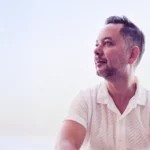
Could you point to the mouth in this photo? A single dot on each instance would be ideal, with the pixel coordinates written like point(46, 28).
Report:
point(99, 63)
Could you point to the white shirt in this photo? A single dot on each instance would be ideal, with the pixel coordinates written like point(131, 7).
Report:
point(106, 127)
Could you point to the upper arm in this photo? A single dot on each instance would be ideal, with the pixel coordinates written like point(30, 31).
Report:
point(76, 122)
point(78, 110)
point(72, 132)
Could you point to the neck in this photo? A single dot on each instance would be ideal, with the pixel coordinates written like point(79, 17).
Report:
point(121, 86)
point(122, 91)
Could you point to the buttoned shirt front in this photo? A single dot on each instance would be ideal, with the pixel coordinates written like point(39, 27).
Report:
point(106, 127)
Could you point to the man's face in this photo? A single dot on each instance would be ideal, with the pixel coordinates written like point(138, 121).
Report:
point(111, 53)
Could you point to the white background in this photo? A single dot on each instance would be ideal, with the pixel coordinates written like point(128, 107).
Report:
point(46, 58)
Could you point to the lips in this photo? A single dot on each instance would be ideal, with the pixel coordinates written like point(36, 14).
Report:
point(100, 61)
point(97, 61)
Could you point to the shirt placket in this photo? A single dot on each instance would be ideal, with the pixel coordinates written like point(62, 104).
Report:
point(120, 135)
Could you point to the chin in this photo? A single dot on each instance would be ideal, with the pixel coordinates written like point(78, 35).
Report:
point(106, 74)
point(100, 73)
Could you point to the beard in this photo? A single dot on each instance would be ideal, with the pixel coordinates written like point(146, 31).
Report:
point(107, 72)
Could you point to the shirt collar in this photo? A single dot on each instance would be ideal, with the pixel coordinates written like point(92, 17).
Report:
point(103, 96)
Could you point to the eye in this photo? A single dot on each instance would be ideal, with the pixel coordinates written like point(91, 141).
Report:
point(108, 43)
point(96, 45)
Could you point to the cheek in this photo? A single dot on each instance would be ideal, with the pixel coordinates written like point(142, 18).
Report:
point(116, 59)
point(111, 57)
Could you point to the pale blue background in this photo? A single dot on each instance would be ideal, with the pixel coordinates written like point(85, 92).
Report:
point(46, 57)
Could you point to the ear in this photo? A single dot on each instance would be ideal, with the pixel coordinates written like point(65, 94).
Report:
point(134, 55)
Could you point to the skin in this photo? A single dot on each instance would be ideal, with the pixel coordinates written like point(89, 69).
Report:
point(71, 136)
point(115, 62)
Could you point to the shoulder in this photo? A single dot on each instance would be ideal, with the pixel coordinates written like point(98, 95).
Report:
point(90, 94)
point(91, 91)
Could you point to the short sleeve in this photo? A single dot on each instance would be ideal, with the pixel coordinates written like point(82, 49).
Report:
point(78, 110)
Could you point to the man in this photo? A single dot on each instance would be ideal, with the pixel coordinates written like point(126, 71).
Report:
point(116, 113)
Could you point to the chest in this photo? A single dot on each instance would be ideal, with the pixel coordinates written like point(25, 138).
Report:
point(109, 130)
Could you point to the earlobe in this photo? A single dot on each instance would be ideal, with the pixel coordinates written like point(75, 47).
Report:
point(134, 55)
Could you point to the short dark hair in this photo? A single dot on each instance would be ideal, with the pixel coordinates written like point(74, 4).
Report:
point(129, 30)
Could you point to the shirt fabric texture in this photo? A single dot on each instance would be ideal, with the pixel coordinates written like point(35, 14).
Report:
point(106, 127)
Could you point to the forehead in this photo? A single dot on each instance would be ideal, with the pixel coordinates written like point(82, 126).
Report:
point(110, 30)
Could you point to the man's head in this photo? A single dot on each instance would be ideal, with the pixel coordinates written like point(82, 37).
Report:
point(119, 46)
point(130, 32)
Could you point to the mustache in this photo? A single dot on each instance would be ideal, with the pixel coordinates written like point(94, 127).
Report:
point(98, 59)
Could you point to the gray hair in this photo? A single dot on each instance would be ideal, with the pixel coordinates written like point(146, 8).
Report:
point(129, 31)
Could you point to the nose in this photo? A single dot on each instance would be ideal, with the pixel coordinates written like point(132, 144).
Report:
point(98, 50)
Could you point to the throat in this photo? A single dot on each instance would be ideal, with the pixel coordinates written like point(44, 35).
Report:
point(122, 106)
point(121, 97)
